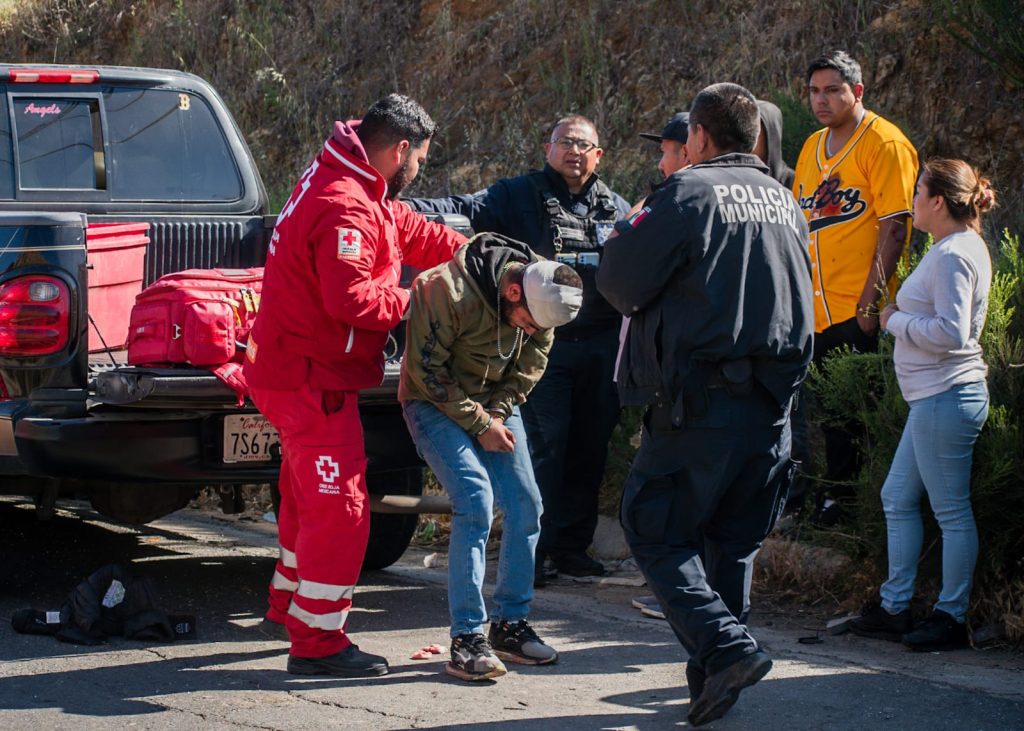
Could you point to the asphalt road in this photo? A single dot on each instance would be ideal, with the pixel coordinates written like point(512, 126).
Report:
point(617, 669)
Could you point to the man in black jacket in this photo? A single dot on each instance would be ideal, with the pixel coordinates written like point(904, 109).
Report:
point(564, 213)
point(715, 275)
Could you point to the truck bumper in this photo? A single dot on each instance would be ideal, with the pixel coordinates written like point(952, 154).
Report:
point(173, 448)
point(133, 447)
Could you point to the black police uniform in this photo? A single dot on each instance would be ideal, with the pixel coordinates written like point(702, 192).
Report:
point(715, 275)
point(572, 411)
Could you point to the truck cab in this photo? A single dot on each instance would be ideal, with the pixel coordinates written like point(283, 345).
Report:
point(82, 147)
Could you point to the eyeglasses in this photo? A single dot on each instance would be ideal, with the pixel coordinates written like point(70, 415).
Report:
point(567, 143)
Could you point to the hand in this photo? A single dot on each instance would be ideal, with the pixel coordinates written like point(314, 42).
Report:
point(498, 438)
point(883, 319)
point(868, 324)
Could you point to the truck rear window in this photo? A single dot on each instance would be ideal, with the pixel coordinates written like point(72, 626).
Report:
point(167, 145)
point(128, 143)
point(57, 141)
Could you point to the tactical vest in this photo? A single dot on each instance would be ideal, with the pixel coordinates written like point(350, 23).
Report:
point(578, 241)
point(569, 234)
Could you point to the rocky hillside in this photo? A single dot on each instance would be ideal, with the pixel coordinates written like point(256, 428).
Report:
point(495, 74)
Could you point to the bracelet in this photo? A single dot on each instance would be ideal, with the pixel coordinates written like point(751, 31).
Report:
point(485, 427)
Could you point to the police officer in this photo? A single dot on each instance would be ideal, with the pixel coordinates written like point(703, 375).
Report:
point(564, 213)
point(716, 278)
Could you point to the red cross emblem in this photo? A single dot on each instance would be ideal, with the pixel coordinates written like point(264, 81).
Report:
point(350, 243)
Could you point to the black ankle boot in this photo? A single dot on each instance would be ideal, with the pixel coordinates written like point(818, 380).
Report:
point(939, 632)
point(875, 622)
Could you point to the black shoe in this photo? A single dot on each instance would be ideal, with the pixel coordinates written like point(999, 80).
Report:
point(875, 622)
point(473, 658)
point(273, 630)
point(518, 642)
point(350, 663)
point(695, 679)
point(939, 632)
point(578, 563)
point(722, 689)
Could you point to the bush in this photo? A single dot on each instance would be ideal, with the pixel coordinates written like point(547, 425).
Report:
point(863, 387)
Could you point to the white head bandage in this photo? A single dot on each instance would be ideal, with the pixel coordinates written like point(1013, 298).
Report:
point(550, 304)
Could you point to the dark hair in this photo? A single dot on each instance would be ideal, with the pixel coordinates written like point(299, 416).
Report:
point(574, 119)
point(966, 193)
point(567, 275)
point(729, 114)
point(564, 274)
point(839, 61)
point(393, 119)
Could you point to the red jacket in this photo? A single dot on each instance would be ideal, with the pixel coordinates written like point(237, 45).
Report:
point(330, 288)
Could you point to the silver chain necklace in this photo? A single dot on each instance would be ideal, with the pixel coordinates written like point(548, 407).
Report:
point(519, 331)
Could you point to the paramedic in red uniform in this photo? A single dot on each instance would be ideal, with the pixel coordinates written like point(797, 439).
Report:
point(330, 295)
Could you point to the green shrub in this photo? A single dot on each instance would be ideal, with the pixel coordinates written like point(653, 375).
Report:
point(863, 387)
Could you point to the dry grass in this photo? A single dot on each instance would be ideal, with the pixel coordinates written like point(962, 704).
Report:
point(791, 571)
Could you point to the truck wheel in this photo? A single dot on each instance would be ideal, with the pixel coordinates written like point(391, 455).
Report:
point(390, 533)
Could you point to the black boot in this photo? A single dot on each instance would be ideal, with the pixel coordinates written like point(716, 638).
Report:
point(875, 622)
point(577, 563)
point(350, 663)
point(722, 689)
point(939, 632)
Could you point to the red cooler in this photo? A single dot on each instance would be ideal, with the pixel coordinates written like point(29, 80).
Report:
point(116, 255)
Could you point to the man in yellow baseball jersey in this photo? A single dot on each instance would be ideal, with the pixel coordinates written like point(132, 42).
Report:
point(855, 184)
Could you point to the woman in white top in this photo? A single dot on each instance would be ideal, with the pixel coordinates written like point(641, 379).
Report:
point(937, 322)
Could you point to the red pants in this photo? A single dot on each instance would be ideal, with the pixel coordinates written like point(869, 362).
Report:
point(324, 521)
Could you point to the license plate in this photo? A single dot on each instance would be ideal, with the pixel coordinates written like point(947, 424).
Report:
point(250, 438)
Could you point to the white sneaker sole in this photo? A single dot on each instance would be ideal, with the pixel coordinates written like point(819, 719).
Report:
point(458, 672)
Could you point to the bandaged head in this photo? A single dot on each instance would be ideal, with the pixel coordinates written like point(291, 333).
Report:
point(550, 304)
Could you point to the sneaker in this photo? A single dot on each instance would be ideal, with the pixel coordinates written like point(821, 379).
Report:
point(939, 632)
point(875, 622)
point(578, 563)
point(517, 642)
point(473, 658)
point(639, 602)
point(722, 689)
point(653, 611)
point(273, 630)
point(349, 663)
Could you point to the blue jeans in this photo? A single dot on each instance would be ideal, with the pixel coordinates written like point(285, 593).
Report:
point(934, 456)
point(474, 478)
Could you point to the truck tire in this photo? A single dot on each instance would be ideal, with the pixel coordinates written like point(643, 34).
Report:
point(390, 533)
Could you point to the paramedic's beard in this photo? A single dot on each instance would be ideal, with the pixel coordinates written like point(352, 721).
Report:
point(399, 181)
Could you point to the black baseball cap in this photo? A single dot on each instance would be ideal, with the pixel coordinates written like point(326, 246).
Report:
point(677, 129)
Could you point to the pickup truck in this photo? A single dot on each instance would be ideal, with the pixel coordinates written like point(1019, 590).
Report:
point(154, 151)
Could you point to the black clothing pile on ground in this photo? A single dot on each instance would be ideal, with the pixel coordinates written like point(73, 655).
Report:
point(110, 603)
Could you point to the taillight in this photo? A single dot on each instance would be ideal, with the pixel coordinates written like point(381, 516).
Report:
point(53, 76)
point(34, 316)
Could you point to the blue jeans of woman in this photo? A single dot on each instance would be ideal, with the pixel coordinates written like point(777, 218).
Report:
point(934, 457)
point(475, 479)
